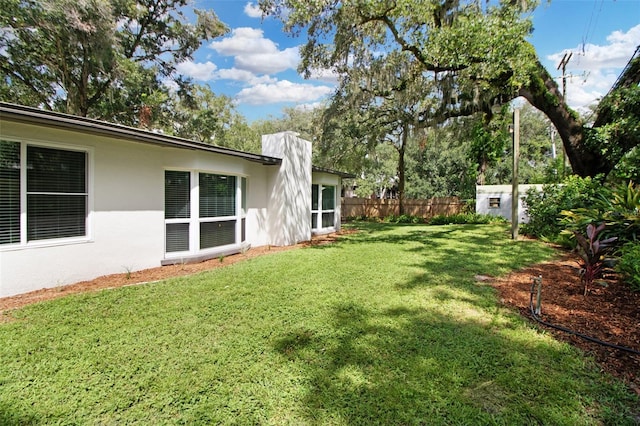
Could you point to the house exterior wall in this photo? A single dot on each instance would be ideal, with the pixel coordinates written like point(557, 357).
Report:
point(126, 225)
point(289, 207)
point(485, 194)
point(327, 179)
point(125, 190)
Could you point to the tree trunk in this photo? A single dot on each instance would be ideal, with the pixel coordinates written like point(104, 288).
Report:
point(401, 167)
point(543, 93)
point(482, 168)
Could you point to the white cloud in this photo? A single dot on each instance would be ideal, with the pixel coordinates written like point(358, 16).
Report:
point(269, 62)
point(244, 76)
point(252, 10)
point(282, 91)
point(593, 69)
point(615, 54)
point(244, 40)
point(328, 76)
point(586, 88)
point(171, 85)
point(208, 71)
point(253, 52)
point(198, 70)
point(310, 106)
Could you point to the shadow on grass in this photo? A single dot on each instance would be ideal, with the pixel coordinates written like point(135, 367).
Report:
point(456, 251)
point(418, 366)
point(406, 366)
point(10, 416)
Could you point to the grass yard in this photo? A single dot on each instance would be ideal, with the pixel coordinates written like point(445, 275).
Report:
point(387, 326)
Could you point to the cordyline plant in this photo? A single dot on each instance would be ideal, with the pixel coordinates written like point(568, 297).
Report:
point(592, 251)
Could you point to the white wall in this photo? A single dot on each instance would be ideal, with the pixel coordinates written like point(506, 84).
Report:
point(126, 219)
point(503, 192)
point(289, 204)
point(327, 179)
point(126, 205)
point(126, 225)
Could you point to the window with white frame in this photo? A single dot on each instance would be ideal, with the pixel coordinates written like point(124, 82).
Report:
point(203, 211)
point(43, 193)
point(323, 206)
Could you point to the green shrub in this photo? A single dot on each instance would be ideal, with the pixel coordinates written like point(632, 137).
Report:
point(544, 208)
point(466, 218)
point(629, 265)
point(404, 218)
point(618, 208)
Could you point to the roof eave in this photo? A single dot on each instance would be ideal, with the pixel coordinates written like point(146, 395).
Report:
point(31, 115)
point(333, 172)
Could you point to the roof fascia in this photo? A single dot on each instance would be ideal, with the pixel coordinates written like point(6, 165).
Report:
point(35, 116)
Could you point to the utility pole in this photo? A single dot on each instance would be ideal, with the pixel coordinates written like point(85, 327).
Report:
point(515, 197)
point(563, 65)
point(552, 131)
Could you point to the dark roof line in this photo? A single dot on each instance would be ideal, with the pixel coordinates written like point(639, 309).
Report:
point(32, 115)
point(333, 172)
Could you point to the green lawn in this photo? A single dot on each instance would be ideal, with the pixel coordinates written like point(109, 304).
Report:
point(386, 326)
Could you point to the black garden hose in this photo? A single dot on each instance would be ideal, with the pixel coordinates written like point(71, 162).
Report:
point(575, 333)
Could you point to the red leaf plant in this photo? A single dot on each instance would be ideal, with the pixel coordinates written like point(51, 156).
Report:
point(592, 250)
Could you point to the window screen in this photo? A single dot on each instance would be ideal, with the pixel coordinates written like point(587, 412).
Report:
point(217, 195)
point(314, 197)
point(9, 192)
point(327, 220)
point(328, 197)
point(56, 193)
point(177, 237)
point(243, 196)
point(177, 200)
point(214, 234)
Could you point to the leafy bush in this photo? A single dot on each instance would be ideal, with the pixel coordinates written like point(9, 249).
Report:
point(404, 218)
point(466, 218)
point(625, 212)
point(629, 265)
point(618, 208)
point(544, 208)
point(591, 249)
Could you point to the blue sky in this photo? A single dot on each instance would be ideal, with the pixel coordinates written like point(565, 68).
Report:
point(255, 63)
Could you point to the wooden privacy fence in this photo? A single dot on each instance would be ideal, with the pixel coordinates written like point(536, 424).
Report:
point(366, 207)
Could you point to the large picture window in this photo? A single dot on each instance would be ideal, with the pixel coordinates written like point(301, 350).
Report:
point(203, 211)
point(55, 193)
point(323, 206)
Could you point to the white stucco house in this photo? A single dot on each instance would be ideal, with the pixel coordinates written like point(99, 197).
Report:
point(496, 200)
point(81, 198)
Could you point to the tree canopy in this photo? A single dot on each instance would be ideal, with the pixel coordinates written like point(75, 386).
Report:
point(475, 53)
point(100, 58)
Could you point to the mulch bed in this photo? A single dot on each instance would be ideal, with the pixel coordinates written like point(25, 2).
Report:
point(149, 275)
point(610, 313)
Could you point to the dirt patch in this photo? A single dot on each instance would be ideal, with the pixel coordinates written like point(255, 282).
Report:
point(609, 312)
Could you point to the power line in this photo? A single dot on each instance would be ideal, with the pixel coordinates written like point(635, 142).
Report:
point(590, 27)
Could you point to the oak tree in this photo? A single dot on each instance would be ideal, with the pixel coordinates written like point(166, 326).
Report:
point(475, 52)
point(100, 58)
